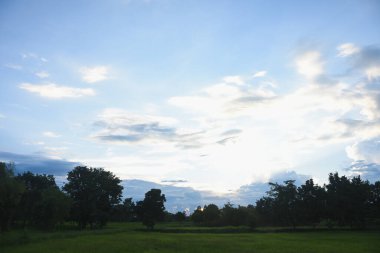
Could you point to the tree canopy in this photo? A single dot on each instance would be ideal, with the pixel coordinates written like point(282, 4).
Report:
point(153, 208)
point(94, 192)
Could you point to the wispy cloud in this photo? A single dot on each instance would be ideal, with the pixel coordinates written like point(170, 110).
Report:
point(234, 80)
point(42, 74)
point(33, 56)
point(123, 126)
point(367, 171)
point(94, 74)
point(309, 64)
point(260, 74)
point(50, 134)
point(367, 150)
point(347, 49)
point(373, 72)
point(13, 66)
point(54, 91)
point(224, 100)
point(38, 164)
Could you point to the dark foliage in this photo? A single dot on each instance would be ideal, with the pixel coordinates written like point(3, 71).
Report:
point(42, 203)
point(10, 195)
point(94, 192)
point(152, 208)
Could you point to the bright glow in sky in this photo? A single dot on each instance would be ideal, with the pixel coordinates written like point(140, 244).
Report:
point(216, 94)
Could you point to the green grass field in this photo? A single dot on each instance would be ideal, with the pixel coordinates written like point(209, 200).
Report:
point(125, 238)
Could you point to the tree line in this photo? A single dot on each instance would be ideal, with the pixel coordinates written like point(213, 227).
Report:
point(93, 196)
point(341, 202)
point(90, 197)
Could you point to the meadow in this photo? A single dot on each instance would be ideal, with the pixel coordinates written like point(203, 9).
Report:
point(132, 237)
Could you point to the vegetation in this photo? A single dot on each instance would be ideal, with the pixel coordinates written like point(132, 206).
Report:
point(94, 192)
point(130, 237)
point(152, 208)
point(42, 204)
point(10, 194)
point(92, 196)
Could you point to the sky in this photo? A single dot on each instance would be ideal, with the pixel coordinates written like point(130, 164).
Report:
point(212, 95)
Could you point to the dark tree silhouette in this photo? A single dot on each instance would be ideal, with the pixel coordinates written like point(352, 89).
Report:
point(10, 195)
point(265, 211)
point(197, 215)
point(374, 202)
point(284, 202)
point(211, 215)
point(311, 203)
point(180, 216)
point(42, 204)
point(125, 211)
point(93, 192)
point(153, 208)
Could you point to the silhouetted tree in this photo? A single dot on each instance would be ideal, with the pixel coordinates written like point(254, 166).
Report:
point(338, 198)
point(42, 204)
point(265, 211)
point(180, 216)
point(197, 215)
point(211, 215)
point(360, 192)
point(374, 202)
point(284, 202)
point(10, 195)
point(311, 203)
point(124, 212)
point(53, 208)
point(153, 208)
point(93, 191)
point(252, 220)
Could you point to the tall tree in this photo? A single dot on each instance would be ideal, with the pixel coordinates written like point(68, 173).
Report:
point(338, 198)
point(311, 203)
point(197, 216)
point(153, 208)
point(374, 201)
point(360, 193)
point(10, 195)
point(93, 191)
point(42, 203)
point(211, 215)
point(265, 211)
point(284, 202)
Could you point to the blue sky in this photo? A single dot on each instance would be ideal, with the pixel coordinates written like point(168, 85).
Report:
point(215, 94)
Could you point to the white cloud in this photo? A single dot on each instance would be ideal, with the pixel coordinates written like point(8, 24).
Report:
point(2, 116)
point(50, 134)
point(373, 72)
point(13, 66)
point(33, 56)
point(281, 129)
point(55, 152)
point(260, 74)
point(224, 100)
point(121, 126)
point(42, 74)
point(240, 132)
point(347, 49)
point(55, 91)
point(368, 151)
point(94, 74)
point(234, 80)
point(309, 64)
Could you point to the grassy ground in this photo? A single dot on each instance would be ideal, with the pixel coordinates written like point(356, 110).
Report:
point(125, 238)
